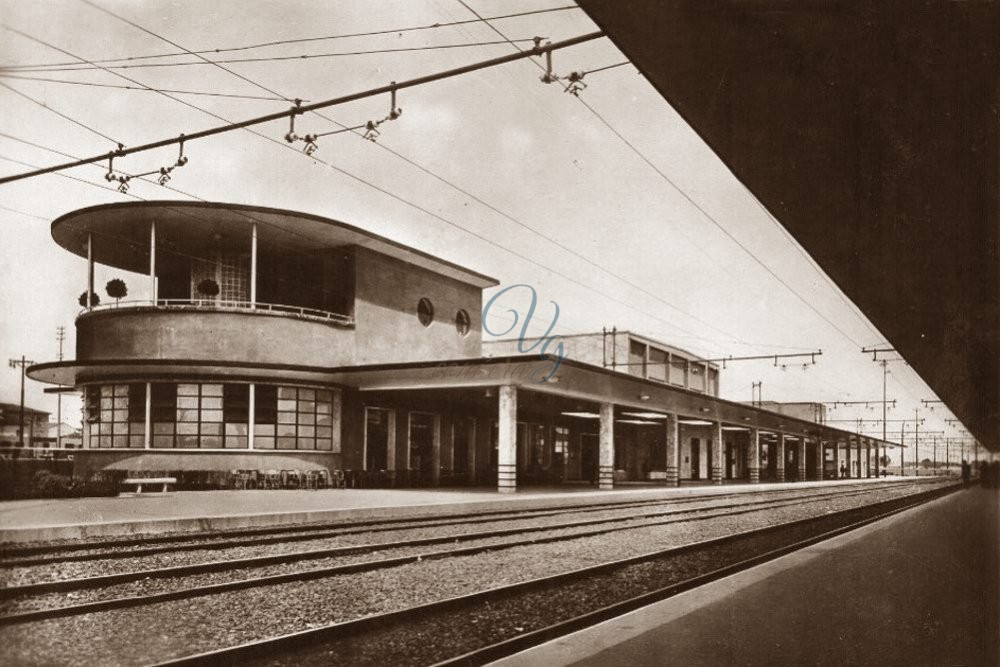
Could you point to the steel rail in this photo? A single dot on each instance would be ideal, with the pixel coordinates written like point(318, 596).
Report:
point(18, 556)
point(367, 566)
point(348, 550)
point(354, 629)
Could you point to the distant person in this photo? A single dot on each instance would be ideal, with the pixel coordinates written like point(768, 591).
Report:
point(843, 470)
point(966, 471)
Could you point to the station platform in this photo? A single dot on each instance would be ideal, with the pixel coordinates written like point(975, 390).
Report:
point(191, 511)
point(918, 588)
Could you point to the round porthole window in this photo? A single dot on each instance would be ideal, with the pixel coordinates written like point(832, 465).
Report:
point(462, 322)
point(425, 312)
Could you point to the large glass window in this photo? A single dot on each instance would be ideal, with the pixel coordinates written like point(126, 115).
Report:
point(657, 365)
point(209, 416)
point(116, 415)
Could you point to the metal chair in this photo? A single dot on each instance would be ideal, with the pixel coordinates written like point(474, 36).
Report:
point(272, 479)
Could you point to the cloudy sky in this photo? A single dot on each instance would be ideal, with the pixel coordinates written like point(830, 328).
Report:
point(608, 204)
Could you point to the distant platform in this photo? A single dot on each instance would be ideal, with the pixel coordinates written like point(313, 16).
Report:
point(191, 511)
point(918, 588)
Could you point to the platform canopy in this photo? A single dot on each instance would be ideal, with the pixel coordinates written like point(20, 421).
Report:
point(870, 131)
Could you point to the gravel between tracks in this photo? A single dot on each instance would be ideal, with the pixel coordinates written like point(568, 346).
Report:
point(21, 575)
point(135, 636)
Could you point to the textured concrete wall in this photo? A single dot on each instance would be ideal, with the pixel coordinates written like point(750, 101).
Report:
point(212, 335)
point(387, 291)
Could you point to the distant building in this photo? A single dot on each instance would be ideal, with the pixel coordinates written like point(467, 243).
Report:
point(36, 425)
point(814, 412)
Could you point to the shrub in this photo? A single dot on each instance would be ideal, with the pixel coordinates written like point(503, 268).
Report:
point(116, 289)
point(94, 299)
point(208, 287)
point(46, 484)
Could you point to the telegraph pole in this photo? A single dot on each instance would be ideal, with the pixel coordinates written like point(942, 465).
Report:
point(23, 363)
point(916, 442)
point(757, 394)
point(60, 336)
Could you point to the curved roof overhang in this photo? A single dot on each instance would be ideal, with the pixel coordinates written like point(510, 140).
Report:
point(122, 239)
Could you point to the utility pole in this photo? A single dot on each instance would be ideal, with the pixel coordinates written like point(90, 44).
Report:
point(916, 442)
point(23, 363)
point(757, 394)
point(61, 337)
point(902, 454)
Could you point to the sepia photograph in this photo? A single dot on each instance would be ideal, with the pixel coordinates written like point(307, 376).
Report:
point(526, 333)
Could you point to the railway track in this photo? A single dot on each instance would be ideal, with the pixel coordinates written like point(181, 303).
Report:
point(23, 556)
point(521, 536)
point(483, 626)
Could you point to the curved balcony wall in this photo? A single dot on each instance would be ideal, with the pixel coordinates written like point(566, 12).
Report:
point(214, 334)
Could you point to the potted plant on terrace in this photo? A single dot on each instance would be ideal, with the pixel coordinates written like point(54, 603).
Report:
point(208, 289)
point(116, 289)
point(94, 299)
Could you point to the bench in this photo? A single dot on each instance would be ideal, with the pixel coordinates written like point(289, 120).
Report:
point(138, 482)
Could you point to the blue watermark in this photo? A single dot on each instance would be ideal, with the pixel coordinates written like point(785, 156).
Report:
point(554, 358)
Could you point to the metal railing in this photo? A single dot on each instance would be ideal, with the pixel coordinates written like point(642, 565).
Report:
point(222, 305)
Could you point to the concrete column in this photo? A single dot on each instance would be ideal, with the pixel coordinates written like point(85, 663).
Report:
point(673, 464)
point(606, 448)
point(252, 417)
point(253, 266)
point(152, 261)
point(336, 416)
point(779, 459)
point(148, 439)
point(90, 270)
point(754, 456)
point(802, 458)
point(717, 452)
point(868, 458)
point(819, 459)
point(507, 440)
point(861, 461)
point(436, 451)
point(470, 446)
point(847, 456)
point(836, 459)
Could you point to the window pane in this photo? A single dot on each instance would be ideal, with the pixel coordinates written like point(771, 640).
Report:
point(306, 443)
point(286, 443)
point(211, 441)
point(263, 429)
point(263, 442)
point(121, 390)
point(265, 403)
point(211, 415)
point(137, 402)
point(285, 404)
point(286, 393)
point(236, 442)
point(323, 408)
point(187, 390)
point(307, 394)
point(307, 406)
point(163, 428)
point(236, 429)
point(187, 441)
point(187, 402)
point(324, 420)
point(286, 429)
point(286, 417)
point(323, 395)
point(324, 443)
point(163, 441)
point(187, 415)
point(236, 403)
point(137, 428)
point(307, 419)
point(121, 403)
point(137, 441)
point(187, 428)
point(211, 390)
point(307, 431)
point(211, 429)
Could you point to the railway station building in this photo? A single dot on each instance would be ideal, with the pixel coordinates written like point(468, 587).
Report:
point(280, 340)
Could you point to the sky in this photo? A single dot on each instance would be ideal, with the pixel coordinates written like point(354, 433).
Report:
point(608, 204)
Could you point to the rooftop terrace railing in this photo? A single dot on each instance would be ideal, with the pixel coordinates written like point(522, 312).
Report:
point(209, 304)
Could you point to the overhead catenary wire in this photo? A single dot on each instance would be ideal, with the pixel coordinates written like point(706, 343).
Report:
point(57, 112)
point(347, 129)
point(303, 40)
point(298, 110)
point(273, 59)
point(145, 90)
